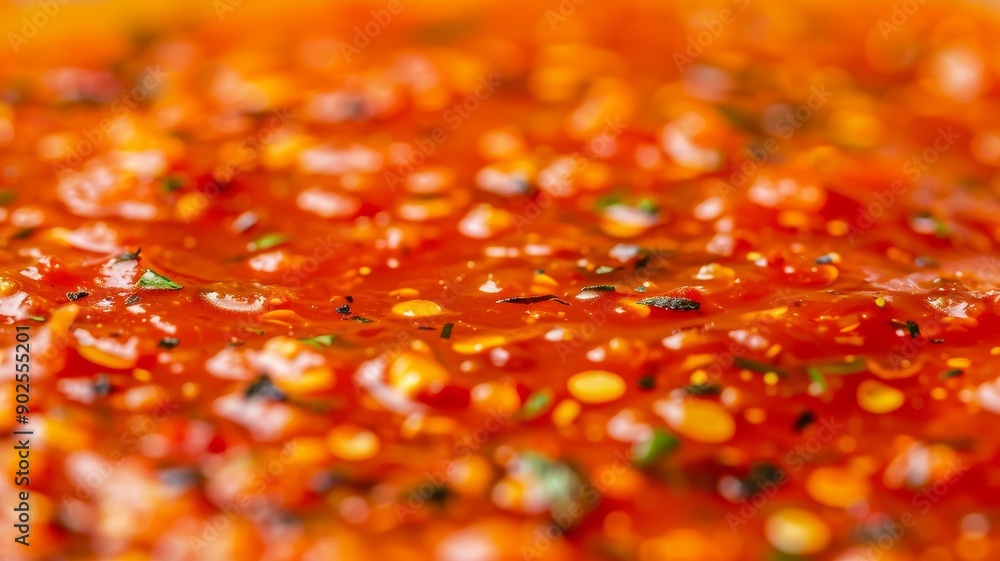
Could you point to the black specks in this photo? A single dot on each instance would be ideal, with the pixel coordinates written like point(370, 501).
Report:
point(132, 300)
point(344, 310)
point(169, 342)
point(804, 419)
point(264, 388)
point(74, 296)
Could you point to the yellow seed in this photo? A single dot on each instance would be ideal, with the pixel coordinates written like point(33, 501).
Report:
point(190, 390)
point(352, 443)
point(755, 415)
point(704, 421)
point(596, 386)
point(413, 373)
point(106, 359)
point(142, 374)
point(876, 397)
point(837, 487)
point(566, 412)
point(771, 378)
point(479, 343)
point(958, 362)
point(880, 302)
point(797, 531)
point(995, 351)
point(365, 271)
point(939, 393)
point(699, 377)
point(417, 309)
point(495, 397)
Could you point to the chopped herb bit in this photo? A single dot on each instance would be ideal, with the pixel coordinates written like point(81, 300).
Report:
point(350, 299)
point(532, 299)
point(7, 196)
point(129, 256)
point(153, 280)
point(640, 288)
point(424, 328)
point(173, 183)
point(344, 310)
point(604, 269)
point(169, 342)
point(37, 318)
point(254, 330)
point(446, 330)
point(648, 206)
point(913, 328)
point(599, 287)
point(24, 233)
point(758, 367)
point(102, 386)
point(360, 319)
point(536, 404)
point(132, 300)
point(816, 376)
point(855, 365)
point(804, 419)
point(703, 389)
point(264, 388)
point(320, 341)
point(670, 303)
point(647, 451)
point(74, 296)
point(267, 241)
point(560, 484)
point(951, 373)
point(647, 382)
point(610, 199)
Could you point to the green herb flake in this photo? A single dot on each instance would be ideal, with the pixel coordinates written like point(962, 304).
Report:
point(129, 256)
point(24, 233)
point(536, 404)
point(670, 303)
point(37, 318)
point(647, 382)
point(703, 389)
point(267, 242)
point(173, 183)
point(155, 281)
point(604, 269)
point(599, 288)
point(7, 196)
point(320, 341)
point(853, 365)
point(950, 374)
point(446, 330)
point(913, 328)
point(74, 296)
point(360, 319)
point(648, 450)
point(254, 330)
point(816, 376)
point(758, 367)
point(640, 288)
point(648, 206)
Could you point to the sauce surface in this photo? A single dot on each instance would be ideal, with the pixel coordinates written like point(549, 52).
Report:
point(637, 281)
